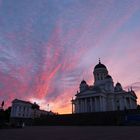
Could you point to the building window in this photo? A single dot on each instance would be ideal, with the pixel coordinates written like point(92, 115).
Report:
point(24, 108)
point(118, 107)
point(19, 108)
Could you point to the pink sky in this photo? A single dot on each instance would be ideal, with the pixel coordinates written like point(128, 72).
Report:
point(49, 46)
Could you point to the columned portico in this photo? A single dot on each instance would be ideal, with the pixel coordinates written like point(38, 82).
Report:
point(103, 95)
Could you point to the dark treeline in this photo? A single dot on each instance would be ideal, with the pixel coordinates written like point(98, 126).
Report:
point(5, 116)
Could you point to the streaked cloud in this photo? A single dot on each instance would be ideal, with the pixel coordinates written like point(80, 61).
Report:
point(47, 47)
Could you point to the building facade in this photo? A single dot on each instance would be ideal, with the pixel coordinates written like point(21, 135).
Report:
point(25, 109)
point(103, 95)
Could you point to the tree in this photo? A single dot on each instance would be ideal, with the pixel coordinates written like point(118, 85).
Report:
point(138, 107)
point(2, 104)
point(7, 113)
point(35, 107)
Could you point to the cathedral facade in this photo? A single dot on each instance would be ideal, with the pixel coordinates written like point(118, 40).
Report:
point(103, 95)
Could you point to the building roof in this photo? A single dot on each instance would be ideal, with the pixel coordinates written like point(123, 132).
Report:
point(17, 100)
point(100, 65)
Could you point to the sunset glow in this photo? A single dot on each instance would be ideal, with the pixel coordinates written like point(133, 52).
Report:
point(47, 47)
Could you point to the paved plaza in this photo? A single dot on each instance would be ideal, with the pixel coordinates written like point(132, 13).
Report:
point(72, 133)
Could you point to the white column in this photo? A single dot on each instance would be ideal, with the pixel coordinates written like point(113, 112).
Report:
point(121, 103)
point(91, 107)
point(13, 112)
point(125, 103)
point(101, 104)
point(130, 100)
point(72, 107)
point(77, 106)
point(95, 104)
point(112, 102)
point(85, 104)
point(17, 110)
point(133, 104)
point(81, 105)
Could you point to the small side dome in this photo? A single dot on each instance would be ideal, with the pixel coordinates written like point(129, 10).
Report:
point(118, 87)
point(108, 77)
point(83, 82)
point(118, 84)
point(83, 86)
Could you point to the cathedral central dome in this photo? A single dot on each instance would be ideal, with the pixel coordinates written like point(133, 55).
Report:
point(100, 66)
point(100, 72)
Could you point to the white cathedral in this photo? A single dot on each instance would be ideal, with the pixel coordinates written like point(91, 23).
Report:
point(103, 95)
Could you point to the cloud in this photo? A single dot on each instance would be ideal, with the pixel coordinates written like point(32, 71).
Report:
point(48, 47)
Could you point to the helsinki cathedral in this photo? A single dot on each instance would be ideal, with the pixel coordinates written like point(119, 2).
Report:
point(103, 95)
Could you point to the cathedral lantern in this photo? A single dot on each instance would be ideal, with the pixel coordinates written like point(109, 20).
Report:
point(100, 72)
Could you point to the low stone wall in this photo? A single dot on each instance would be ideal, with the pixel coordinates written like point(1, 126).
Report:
point(98, 118)
point(128, 117)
